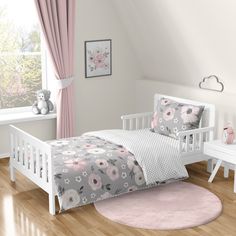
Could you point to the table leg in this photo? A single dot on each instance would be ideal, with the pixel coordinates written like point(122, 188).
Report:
point(210, 166)
point(226, 170)
point(218, 164)
point(235, 178)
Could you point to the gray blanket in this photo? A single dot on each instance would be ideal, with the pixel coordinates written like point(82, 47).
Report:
point(104, 164)
point(156, 154)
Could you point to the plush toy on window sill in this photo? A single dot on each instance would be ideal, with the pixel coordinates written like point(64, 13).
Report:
point(228, 134)
point(43, 105)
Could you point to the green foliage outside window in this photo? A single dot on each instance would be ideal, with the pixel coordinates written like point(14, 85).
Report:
point(20, 63)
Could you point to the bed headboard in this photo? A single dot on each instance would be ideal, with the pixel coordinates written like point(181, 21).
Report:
point(208, 117)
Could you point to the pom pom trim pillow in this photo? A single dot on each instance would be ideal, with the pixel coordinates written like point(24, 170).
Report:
point(172, 117)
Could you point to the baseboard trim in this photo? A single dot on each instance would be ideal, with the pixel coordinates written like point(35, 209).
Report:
point(4, 155)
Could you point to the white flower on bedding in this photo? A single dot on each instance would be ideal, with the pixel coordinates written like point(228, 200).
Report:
point(160, 120)
point(139, 178)
point(126, 185)
point(123, 166)
point(69, 153)
point(101, 163)
point(96, 151)
point(70, 199)
point(84, 173)
point(80, 155)
point(93, 195)
point(123, 175)
point(175, 130)
point(105, 196)
point(162, 127)
point(84, 200)
point(78, 179)
point(184, 127)
point(189, 114)
point(67, 181)
point(109, 154)
point(65, 170)
point(176, 120)
point(59, 143)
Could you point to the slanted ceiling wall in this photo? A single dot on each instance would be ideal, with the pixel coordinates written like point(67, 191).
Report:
point(182, 41)
point(179, 42)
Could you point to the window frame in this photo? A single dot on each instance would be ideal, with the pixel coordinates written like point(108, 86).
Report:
point(44, 68)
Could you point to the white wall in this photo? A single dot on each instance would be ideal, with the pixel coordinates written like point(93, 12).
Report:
point(99, 101)
point(183, 41)
point(224, 102)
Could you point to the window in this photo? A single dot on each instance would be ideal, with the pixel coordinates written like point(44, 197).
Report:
point(22, 59)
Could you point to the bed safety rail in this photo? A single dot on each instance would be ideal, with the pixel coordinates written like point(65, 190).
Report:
point(192, 141)
point(137, 121)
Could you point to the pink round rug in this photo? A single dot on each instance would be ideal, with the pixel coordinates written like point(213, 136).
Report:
point(174, 206)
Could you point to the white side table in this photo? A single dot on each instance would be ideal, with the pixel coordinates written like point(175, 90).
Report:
point(223, 153)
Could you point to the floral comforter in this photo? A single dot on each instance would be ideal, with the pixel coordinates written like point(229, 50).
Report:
point(88, 169)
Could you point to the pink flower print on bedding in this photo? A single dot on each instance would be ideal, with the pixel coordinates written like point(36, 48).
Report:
point(76, 164)
point(113, 173)
point(95, 182)
point(101, 163)
point(122, 152)
point(154, 120)
point(169, 114)
point(165, 101)
point(189, 114)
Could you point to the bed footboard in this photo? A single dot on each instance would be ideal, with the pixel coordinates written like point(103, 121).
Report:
point(33, 158)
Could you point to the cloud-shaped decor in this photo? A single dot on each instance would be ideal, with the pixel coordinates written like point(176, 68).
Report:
point(212, 83)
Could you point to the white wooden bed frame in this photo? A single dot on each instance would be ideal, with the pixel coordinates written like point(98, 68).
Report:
point(40, 153)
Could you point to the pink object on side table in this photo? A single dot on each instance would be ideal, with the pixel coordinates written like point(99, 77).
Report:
point(228, 134)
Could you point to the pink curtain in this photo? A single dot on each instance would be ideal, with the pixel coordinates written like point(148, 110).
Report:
point(57, 18)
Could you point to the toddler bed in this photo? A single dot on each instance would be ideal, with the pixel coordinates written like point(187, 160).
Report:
point(102, 164)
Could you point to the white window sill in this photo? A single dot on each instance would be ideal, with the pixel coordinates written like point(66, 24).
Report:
point(11, 118)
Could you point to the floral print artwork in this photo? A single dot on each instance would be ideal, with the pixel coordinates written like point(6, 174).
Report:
point(172, 117)
point(98, 58)
point(89, 169)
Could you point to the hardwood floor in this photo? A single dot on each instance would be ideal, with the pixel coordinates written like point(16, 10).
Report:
point(24, 211)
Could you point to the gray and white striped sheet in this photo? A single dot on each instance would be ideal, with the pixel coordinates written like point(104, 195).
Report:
point(157, 155)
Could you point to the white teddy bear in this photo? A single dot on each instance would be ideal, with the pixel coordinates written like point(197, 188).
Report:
point(43, 105)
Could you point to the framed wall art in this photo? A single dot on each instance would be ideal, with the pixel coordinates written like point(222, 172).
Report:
point(98, 58)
